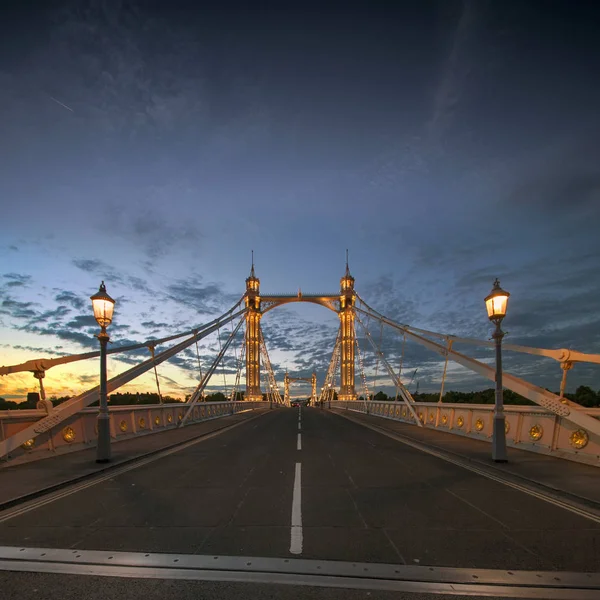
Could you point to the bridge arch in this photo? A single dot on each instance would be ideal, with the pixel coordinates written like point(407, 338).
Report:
point(342, 304)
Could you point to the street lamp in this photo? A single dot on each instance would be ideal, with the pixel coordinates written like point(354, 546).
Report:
point(496, 303)
point(103, 306)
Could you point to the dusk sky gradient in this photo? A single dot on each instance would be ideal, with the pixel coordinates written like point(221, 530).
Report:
point(154, 144)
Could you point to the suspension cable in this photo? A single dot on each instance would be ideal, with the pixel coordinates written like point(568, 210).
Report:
point(238, 373)
point(270, 376)
point(362, 372)
point(406, 396)
point(401, 360)
point(209, 373)
point(331, 369)
point(445, 369)
point(377, 362)
point(160, 398)
point(223, 363)
point(198, 358)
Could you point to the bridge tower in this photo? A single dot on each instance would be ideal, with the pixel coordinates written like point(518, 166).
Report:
point(253, 316)
point(313, 389)
point(286, 389)
point(348, 338)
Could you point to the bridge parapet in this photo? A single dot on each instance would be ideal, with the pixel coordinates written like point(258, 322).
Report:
point(527, 427)
point(80, 430)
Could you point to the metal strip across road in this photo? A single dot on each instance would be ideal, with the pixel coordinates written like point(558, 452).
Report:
point(373, 576)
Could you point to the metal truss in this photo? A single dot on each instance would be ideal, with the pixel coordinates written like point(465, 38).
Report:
point(532, 392)
point(74, 405)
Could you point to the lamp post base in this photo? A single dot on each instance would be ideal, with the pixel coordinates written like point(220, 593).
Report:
point(103, 448)
point(499, 440)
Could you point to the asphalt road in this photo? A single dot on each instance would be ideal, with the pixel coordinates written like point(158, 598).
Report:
point(364, 498)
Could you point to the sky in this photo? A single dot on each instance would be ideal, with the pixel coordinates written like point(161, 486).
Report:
point(155, 144)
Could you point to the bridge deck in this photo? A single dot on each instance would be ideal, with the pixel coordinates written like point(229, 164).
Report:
point(365, 497)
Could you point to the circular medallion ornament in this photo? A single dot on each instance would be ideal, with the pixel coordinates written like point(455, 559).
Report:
point(142, 422)
point(169, 418)
point(431, 418)
point(479, 424)
point(421, 417)
point(157, 420)
point(506, 426)
point(123, 426)
point(579, 439)
point(404, 412)
point(179, 417)
point(29, 444)
point(460, 421)
point(444, 419)
point(68, 434)
point(398, 412)
point(536, 432)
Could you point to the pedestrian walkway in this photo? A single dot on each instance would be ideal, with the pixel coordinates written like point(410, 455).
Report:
point(23, 481)
point(571, 480)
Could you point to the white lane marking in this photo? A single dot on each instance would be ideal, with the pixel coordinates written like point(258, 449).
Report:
point(299, 445)
point(299, 426)
point(296, 530)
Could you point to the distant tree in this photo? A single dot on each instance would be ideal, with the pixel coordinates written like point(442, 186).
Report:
point(586, 396)
point(380, 396)
point(216, 397)
point(9, 404)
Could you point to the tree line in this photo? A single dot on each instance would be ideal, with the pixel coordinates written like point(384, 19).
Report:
point(583, 395)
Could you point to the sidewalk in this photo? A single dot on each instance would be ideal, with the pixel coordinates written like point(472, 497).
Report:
point(572, 480)
point(24, 481)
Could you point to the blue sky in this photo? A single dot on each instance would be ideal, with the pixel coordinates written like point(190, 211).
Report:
point(443, 143)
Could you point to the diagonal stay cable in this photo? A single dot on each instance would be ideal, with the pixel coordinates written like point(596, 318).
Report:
point(197, 393)
point(406, 397)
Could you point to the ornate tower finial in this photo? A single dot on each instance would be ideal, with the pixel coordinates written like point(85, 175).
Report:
point(347, 268)
point(252, 269)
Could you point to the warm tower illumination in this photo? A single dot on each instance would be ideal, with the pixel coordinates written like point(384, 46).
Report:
point(253, 316)
point(346, 314)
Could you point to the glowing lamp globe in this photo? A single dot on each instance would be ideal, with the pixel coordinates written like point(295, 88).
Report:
point(497, 302)
point(103, 306)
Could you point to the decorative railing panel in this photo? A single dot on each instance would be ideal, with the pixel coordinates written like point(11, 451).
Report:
point(80, 431)
point(527, 427)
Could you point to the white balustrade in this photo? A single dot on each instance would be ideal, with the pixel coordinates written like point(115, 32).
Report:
point(527, 427)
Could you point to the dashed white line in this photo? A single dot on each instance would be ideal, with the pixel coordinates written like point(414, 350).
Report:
point(296, 530)
point(299, 445)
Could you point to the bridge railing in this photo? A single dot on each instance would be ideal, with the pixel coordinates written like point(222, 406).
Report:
point(530, 428)
point(80, 430)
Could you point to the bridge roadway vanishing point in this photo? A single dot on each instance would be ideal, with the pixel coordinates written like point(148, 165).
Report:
point(286, 486)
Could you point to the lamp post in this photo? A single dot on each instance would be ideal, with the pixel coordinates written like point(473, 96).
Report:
point(496, 303)
point(103, 306)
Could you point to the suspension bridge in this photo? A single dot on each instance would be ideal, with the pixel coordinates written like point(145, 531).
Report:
point(347, 492)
